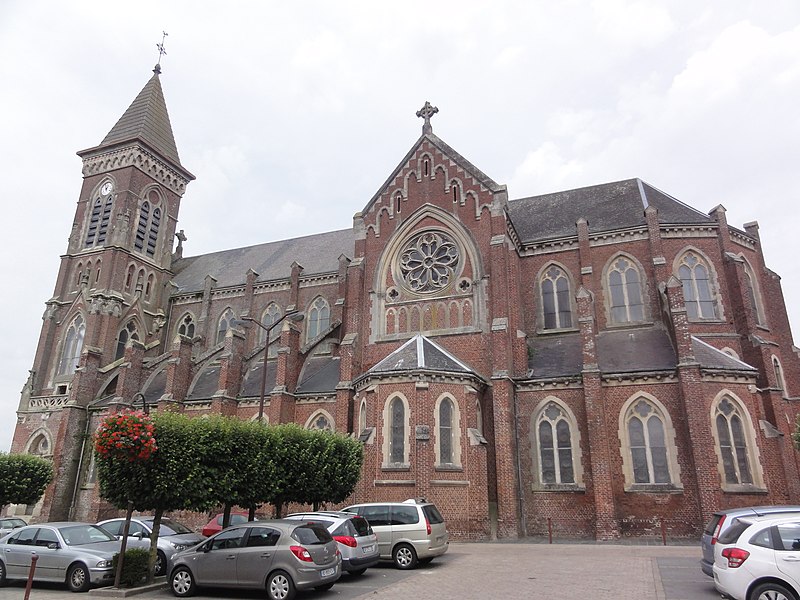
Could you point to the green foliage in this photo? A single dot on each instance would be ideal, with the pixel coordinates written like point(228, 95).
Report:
point(134, 567)
point(204, 463)
point(23, 478)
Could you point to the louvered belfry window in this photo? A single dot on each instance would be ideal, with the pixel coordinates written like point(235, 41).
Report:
point(148, 225)
point(98, 221)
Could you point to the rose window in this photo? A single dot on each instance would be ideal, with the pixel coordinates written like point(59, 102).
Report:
point(428, 264)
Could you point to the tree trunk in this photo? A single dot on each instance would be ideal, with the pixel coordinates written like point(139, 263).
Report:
point(151, 563)
point(123, 546)
point(226, 516)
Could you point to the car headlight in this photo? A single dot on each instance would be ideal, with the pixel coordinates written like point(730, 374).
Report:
point(179, 547)
point(104, 564)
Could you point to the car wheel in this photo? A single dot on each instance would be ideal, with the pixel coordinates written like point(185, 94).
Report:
point(357, 572)
point(771, 591)
point(161, 564)
point(182, 582)
point(78, 578)
point(324, 588)
point(280, 586)
point(404, 557)
point(2, 573)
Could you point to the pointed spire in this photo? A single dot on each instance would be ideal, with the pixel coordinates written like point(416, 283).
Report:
point(147, 120)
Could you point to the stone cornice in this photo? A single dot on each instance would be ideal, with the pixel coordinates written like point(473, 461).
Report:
point(135, 155)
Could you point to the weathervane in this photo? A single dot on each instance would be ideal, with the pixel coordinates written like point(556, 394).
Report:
point(161, 52)
point(426, 112)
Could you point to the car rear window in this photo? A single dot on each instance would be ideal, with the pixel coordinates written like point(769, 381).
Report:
point(732, 533)
point(433, 514)
point(712, 524)
point(311, 535)
point(360, 525)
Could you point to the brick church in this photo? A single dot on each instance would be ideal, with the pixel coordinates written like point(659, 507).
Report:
point(603, 361)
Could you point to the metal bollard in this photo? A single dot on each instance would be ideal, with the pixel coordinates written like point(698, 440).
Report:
point(549, 530)
point(663, 532)
point(34, 558)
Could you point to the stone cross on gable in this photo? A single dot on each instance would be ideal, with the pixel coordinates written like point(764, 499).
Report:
point(426, 112)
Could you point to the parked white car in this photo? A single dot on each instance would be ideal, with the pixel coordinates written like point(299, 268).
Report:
point(758, 558)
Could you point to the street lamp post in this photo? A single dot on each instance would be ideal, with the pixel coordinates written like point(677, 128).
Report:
point(145, 407)
point(292, 316)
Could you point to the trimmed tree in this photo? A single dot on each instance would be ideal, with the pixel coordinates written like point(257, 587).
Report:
point(23, 478)
point(172, 477)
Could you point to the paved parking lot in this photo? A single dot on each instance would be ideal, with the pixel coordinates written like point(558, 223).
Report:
point(504, 571)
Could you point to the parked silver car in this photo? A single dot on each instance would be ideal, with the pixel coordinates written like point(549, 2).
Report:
point(79, 554)
point(172, 537)
point(409, 533)
point(280, 556)
point(357, 542)
point(9, 524)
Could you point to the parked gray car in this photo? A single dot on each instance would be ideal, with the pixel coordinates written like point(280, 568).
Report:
point(79, 554)
point(9, 524)
point(172, 537)
point(357, 542)
point(279, 556)
point(722, 519)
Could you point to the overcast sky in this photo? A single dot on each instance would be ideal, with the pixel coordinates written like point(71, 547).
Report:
point(292, 114)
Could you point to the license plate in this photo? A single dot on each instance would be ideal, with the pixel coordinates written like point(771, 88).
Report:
point(368, 549)
point(327, 572)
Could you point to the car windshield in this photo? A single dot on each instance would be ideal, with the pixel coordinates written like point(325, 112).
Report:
point(311, 535)
point(169, 527)
point(14, 523)
point(77, 535)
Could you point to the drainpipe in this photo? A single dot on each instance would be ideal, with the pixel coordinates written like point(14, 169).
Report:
point(520, 491)
point(80, 457)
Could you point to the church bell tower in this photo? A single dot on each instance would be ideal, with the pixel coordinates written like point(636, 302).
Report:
point(111, 289)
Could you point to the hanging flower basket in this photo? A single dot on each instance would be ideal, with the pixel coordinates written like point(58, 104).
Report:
point(128, 435)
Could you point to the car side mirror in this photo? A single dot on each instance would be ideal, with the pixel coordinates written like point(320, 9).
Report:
point(54, 545)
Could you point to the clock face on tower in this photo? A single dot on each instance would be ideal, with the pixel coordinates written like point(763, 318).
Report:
point(106, 189)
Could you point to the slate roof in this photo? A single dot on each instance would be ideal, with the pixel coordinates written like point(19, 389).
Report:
point(147, 120)
point(315, 253)
point(621, 351)
point(251, 385)
point(635, 350)
point(420, 353)
point(320, 375)
point(606, 207)
point(711, 358)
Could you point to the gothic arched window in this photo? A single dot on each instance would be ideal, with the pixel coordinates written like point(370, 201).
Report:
point(100, 217)
point(553, 427)
point(397, 431)
point(732, 442)
point(780, 382)
point(751, 289)
point(556, 303)
point(698, 292)
point(625, 291)
point(73, 344)
point(319, 318)
point(647, 443)
point(320, 421)
point(186, 326)
point(126, 333)
point(225, 323)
